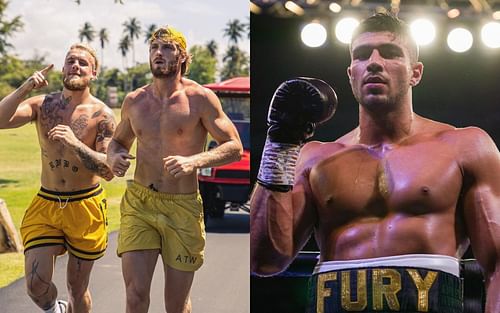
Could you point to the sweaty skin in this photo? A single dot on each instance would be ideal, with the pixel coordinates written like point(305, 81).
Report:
point(397, 184)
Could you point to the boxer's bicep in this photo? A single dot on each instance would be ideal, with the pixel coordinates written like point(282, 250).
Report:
point(482, 202)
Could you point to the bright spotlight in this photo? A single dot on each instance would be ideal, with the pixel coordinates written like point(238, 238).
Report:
point(490, 34)
point(293, 7)
point(460, 40)
point(335, 7)
point(313, 35)
point(344, 29)
point(423, 31)
point(453, 13)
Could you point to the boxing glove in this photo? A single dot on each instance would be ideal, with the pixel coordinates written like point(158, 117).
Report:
point(297, 106)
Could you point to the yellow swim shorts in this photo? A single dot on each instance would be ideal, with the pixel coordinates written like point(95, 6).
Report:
point(77, 220)
point(172, 223)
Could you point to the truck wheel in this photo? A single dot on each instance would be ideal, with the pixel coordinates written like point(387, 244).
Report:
point(220, 206)
point(208, 201)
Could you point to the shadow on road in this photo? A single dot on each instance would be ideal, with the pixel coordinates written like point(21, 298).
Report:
point(232, 222)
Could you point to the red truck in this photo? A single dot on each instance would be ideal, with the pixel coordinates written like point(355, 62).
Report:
point(228, 186)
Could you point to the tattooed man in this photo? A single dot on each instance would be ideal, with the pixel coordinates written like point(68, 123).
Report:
point(69, 212)
point(161, 211)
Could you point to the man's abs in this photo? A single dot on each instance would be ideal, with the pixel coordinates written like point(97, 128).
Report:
point(150, 172)
point(396, 234)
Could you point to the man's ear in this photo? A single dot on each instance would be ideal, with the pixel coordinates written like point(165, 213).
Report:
point(417, 72)
point(349, 73)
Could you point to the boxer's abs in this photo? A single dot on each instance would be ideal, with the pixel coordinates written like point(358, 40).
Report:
point(396, 234)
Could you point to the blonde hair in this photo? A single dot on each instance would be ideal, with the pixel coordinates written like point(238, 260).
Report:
point(90, 50)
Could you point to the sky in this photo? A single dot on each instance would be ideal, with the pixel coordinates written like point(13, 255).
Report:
point(51, 26)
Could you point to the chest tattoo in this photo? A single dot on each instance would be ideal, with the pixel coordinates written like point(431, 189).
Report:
point(52, 111)
point(79, 124)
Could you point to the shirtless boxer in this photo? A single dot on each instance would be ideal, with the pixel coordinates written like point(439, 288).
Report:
point(69, 212)
point(161, 211)
point(393, 204)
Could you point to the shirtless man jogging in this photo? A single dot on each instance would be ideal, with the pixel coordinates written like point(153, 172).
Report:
point(393, 204)
point(161, 211)
point(69, 212)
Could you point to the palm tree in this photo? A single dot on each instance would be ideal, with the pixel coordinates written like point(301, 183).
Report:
point(123, 47)
point(8, 28)
point(103, 40)
point(149, 32)
point(132, 29)
point(234, 30)
point(212, 47)
point(87, 32)
point(235, 63)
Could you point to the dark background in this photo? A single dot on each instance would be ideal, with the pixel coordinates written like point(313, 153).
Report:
point(459, 89)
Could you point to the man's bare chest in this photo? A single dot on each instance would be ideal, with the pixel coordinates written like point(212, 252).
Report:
point(82, 120)
point(174, 119)
point(413, 179)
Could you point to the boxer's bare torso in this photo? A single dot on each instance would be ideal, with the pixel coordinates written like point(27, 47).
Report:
point(388, 199)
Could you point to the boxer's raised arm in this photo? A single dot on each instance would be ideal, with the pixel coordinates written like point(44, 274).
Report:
point(281, 216)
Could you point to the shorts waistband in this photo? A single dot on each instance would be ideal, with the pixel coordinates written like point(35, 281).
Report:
point(442, 263)
point(136, 187)
point(70, 195)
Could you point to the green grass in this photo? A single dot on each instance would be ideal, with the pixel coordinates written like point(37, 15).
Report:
point(20, 180)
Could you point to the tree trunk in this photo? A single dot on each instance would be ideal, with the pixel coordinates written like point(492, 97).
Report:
point(9, 239)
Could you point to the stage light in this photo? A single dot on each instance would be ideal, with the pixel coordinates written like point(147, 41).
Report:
point(344, 29)
point(313, 35)
point(460, 40)
point(293, 7)
point(490, 34)
point(423, 31)
point(453, 13)
point(255, 9)
point(335, 7)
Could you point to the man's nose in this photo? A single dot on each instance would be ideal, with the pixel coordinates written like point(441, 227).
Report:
point(375, 61)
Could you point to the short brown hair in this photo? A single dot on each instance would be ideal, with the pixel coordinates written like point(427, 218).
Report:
point(381, 22)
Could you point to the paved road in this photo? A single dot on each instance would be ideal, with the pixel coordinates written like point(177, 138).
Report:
point(220, 286)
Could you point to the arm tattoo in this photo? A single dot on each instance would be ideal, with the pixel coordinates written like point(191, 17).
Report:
point(105, 128)
point(96, 114)
point(91, 161)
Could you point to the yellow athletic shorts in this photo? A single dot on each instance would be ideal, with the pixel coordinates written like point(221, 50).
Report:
point(172, 223)
point(77, 220)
